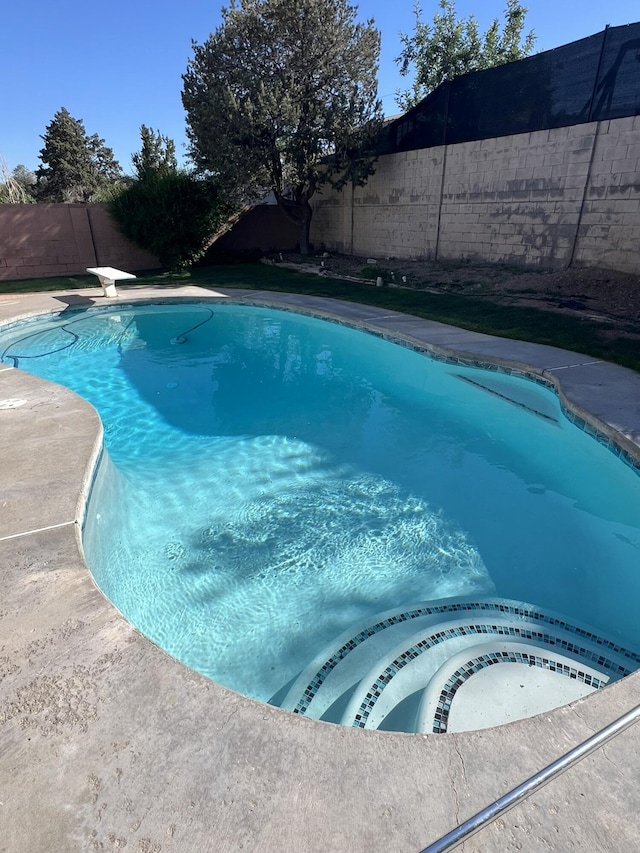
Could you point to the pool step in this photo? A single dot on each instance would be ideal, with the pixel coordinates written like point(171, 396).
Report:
point(526, 682)
point(397, 671)
point(439, 674)
point(341, 666)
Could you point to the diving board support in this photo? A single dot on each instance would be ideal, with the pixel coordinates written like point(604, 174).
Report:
point(108, 276)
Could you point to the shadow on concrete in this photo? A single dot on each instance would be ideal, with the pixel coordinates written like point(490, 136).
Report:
point(74, 300)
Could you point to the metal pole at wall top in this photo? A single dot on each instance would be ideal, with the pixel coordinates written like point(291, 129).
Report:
point(597, 77)
point(93, 237)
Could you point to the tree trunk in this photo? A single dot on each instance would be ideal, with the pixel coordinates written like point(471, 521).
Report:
point(298, 211)
point(305, 227)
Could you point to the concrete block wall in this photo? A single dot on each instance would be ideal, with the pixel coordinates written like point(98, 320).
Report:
point(112, 249)
point(516, 198)
point(44, 240)
point(548, 198)
point(409, 185)
point(609, 233)
point(398, 207)
point(332, 223)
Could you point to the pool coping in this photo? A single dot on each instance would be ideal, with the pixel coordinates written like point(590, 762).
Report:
point(105, 740)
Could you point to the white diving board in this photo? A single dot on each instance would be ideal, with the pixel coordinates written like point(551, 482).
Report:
point(108, 276)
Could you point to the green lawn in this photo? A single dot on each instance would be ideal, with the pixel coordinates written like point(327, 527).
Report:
point(529, 324)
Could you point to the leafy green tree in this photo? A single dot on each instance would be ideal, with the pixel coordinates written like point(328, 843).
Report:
point(157, 155)
point(74, 166)
point(453, 46)
point(282, 97)
point(171, 214)
point(25, 178)
point(16, 187)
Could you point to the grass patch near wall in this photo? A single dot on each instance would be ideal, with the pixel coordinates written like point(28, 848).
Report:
point(44, 285)
point(480, 315)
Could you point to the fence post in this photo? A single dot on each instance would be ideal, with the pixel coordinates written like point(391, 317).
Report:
point(93, 236)
point(587, 181)
point(597, 77)
point(444, 167)
point(352, 213)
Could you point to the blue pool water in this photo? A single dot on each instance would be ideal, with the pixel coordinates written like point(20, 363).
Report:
point(272, 479)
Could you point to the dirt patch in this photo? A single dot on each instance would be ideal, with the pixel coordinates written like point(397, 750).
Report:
point(605, 296)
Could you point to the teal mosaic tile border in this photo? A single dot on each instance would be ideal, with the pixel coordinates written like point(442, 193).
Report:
point(463, 673)
point(318, 679)
point(429, 642)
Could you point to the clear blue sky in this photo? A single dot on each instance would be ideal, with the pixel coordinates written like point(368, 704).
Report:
point(118, 65)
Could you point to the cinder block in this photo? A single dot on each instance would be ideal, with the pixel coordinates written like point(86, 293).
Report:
point(576, 168)
point(624, 124)
point(555, 158)
point(538, 137)
point(560, 134)
point(633, 150)
point(624, 236)
point(624, 190)
point(539, 170)
point(613, 152)
point(625, 205)
point(594, 233)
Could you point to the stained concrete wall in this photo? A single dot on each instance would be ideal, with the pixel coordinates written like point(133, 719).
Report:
point(611, 214)
point(551, 198)
point(42, 240)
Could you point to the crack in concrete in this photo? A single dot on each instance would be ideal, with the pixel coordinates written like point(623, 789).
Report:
point(603, 750)
point(583, 720)
point(453, 779)
point(158, 799)
point(624, 774)
point(459, 754)
point(233, 713)
point(617, 767)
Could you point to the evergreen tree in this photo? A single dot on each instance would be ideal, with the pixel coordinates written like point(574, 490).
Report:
point(25, 178)
point(283, 97)
point(157, 155)
point(453, 46)
point(16, 187)
point(74, 166)
point(106, 167)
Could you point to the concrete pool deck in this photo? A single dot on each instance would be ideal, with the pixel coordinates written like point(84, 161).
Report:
point(107, 743)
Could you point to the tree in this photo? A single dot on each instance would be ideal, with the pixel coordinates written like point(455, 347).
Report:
point(282, 97)
point(454, 46)
point(166, 210)
point(16, 187)
point(25, 178)
point(74, 166)
point(157, 155)
point(171, 214)
point(107, 168)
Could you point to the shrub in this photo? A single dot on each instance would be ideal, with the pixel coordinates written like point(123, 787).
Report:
point(372, 273)
point(172, 215)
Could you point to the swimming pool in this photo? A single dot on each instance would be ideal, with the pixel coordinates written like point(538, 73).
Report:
point(297, 479)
